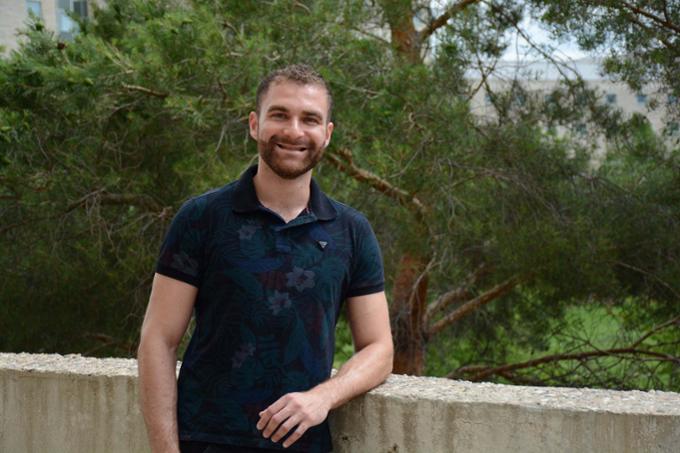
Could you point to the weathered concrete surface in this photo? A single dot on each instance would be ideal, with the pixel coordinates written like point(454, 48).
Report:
point(53, 403)
point(410, 414)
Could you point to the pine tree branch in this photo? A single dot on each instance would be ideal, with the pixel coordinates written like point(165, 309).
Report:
point(381, 185)
point(455, 295)
point(651, 32)
point(483, 372)
point(649, 274)
point(144, 201)
point(675, 320)
point(663, 22)
point(418, 304)
point(484, 76)
point(145, 90)
point(557, 64)
point(440, 21)
point(99, 196)
point(494, 293)
point(108, 340)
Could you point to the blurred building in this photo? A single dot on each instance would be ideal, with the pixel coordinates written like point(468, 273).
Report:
point(539, 78)
point(55, 14)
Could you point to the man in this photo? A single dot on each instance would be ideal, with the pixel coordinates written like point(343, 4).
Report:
point(264, 263)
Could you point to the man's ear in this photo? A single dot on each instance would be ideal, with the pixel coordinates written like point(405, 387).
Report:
point(329, 131)
point(253, 124)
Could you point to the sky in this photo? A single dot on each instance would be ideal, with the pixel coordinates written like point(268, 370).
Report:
point(520, 54)
point(518, 50)
point(564, 50)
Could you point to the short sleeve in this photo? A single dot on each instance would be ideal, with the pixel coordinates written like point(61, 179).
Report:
point(181, 256)
point(367, 274)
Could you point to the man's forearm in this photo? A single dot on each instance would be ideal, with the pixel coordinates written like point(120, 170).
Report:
point(158, 395)
point(365, 370)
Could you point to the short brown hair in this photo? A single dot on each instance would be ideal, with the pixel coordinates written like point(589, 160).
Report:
point(298, 73)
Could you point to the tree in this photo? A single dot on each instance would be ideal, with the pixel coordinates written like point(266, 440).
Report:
point(493, 231)
point(412, 319)
point(641, 39)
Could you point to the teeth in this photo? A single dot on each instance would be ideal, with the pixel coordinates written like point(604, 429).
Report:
point(291, 148)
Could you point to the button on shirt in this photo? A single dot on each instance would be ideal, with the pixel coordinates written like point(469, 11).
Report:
point(269, 296)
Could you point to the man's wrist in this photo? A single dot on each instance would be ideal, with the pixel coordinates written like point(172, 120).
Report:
point(327, 393)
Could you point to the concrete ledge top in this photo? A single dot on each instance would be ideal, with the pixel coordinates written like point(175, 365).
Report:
point(67, 364)
point(403, 387)
point(560, 398)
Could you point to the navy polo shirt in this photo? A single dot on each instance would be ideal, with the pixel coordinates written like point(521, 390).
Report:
point(269, 296)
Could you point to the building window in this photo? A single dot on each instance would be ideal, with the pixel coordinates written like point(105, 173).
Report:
point(34, 7)
point(519, 99)
point(80, 7)
point(672, 99)
point(673, 129)
point(581, 129)
point(641, 98)
point(582, 99)
point(67, 27)
point(611, 98)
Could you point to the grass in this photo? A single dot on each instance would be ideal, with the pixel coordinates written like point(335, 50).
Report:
point(583, 328)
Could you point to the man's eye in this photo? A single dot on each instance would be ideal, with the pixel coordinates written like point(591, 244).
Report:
point(312, 120)
point(278, 115)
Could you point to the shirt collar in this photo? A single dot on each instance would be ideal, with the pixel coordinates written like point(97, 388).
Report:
point(245, 197)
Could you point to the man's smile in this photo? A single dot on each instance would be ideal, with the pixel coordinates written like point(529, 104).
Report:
point(290, 147)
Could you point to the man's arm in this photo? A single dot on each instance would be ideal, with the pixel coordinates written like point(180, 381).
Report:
point(166, 320)
point(368, 367)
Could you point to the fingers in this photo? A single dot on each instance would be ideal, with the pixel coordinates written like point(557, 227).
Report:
point(268, 413)
point(274, 421)
point(301, 410)
point(285, 427)
point(296, 435)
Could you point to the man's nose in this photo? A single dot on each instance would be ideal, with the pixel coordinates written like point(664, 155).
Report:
point(294, 129)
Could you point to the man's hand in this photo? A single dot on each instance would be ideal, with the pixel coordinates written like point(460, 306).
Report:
point(369, 366)
point(303, 409)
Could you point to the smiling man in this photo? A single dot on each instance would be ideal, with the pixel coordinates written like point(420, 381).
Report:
point(265, 264)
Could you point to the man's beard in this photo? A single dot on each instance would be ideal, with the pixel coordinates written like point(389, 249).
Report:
point(284, 168)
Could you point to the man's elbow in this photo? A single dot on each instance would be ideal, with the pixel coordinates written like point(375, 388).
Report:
point(388, 358)
point(152, 343)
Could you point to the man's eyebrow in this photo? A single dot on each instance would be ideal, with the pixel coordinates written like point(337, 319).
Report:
point(313, 113)
point(277, 108)
point(309, 113)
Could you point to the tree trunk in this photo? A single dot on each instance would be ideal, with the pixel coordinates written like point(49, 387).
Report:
point(403, 34)
point(407, 311)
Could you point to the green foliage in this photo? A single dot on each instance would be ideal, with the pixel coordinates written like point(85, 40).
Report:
point(640, 39)
point(102, 138)
point(581, 329)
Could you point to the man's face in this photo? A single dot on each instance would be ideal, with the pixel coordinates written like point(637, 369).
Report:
point(292, 129)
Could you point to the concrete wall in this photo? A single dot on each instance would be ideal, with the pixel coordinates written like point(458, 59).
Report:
point(53, 403)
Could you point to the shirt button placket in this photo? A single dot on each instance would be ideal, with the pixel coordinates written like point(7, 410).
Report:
point(281, 240)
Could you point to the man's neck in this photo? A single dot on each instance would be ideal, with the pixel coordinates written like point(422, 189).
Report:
point(286, 197)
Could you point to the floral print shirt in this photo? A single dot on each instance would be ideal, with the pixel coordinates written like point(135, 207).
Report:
point(269, 296)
